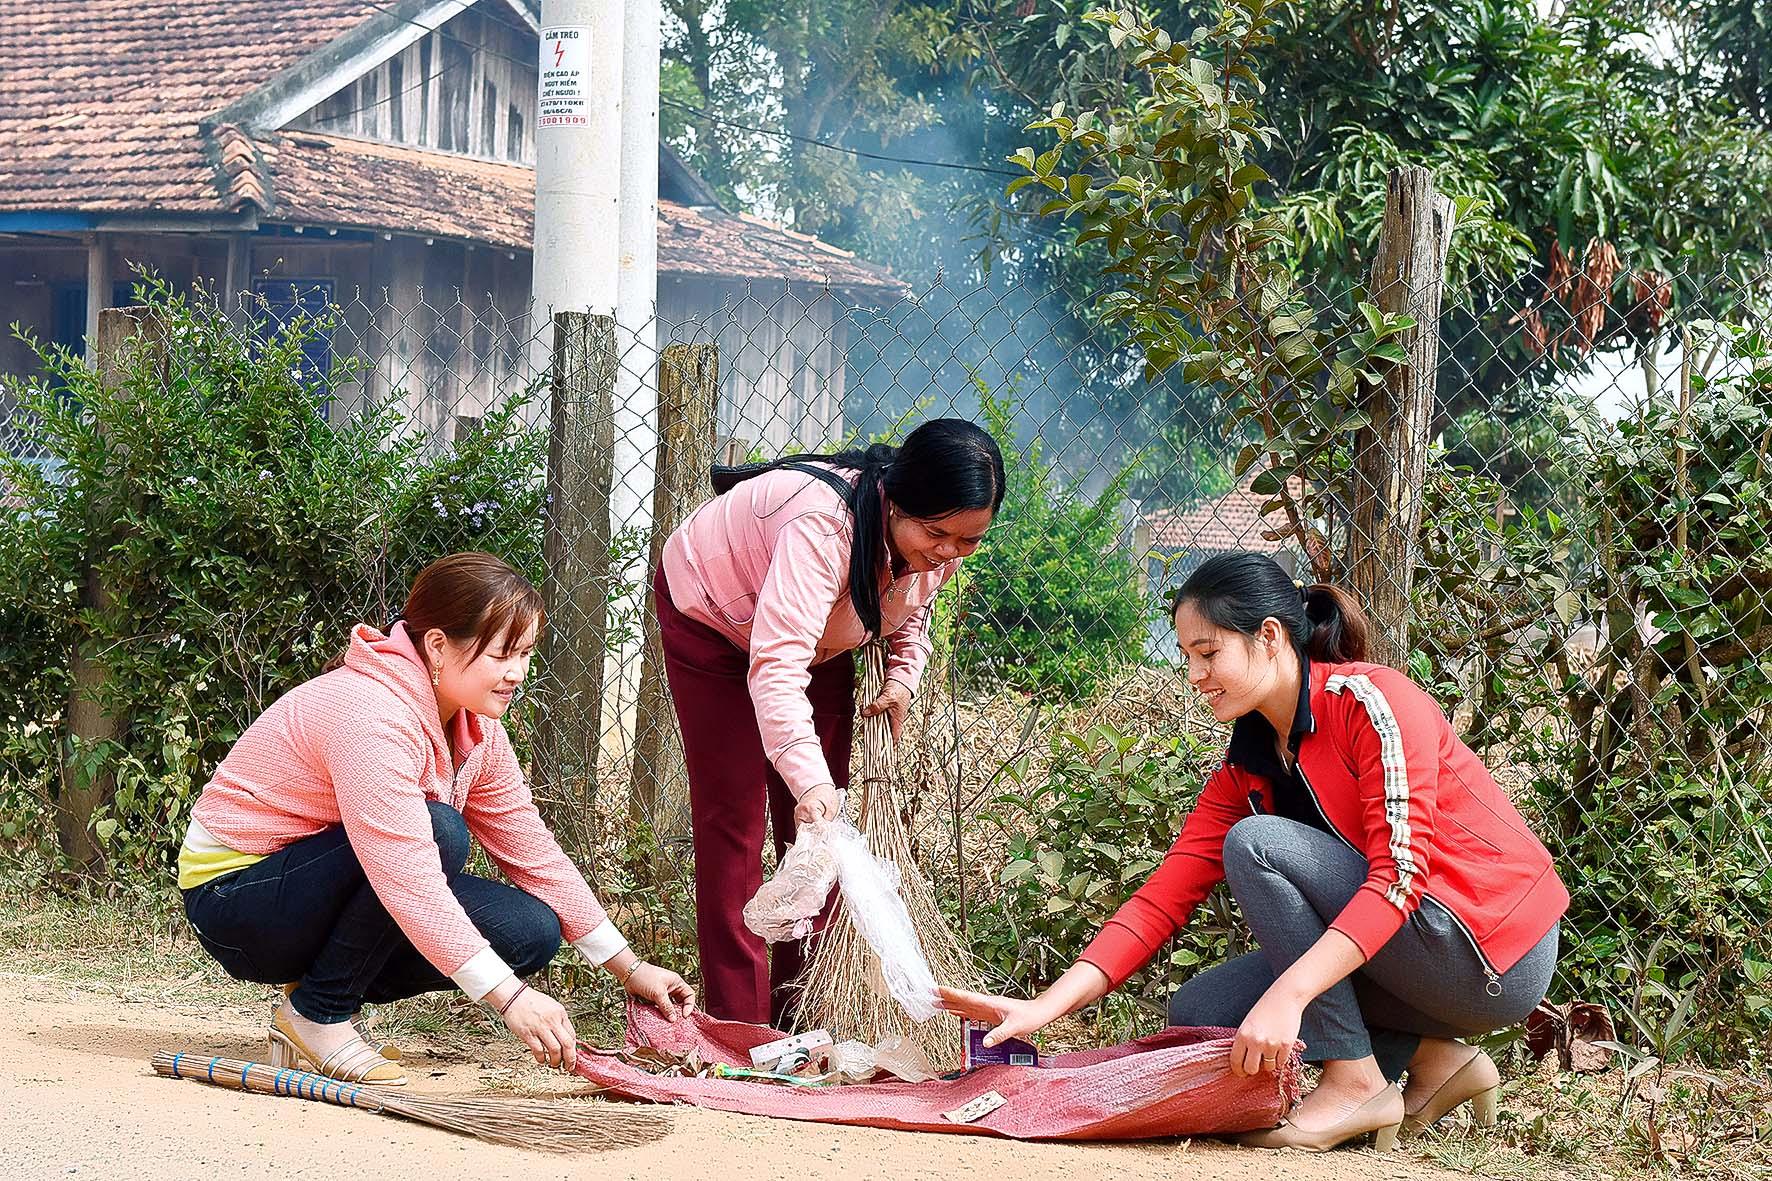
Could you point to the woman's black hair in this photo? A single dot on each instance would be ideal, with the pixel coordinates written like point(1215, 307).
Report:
point(946, 465)
point(1239, 591)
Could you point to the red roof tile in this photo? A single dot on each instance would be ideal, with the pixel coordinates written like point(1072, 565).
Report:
point(1233, 521)
point(335, 180)
point(100, 100)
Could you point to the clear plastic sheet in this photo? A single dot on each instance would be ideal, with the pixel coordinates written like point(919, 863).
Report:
point(788, 904)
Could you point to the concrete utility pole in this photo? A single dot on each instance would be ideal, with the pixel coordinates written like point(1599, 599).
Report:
point(576, 256)
point(636, 314)
point(577, 150)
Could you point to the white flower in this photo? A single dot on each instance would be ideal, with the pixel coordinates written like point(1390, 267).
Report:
point(190, 480)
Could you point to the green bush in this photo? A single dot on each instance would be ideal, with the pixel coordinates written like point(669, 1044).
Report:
point(236, 536)
point(1082, 836)
point(1051, 599)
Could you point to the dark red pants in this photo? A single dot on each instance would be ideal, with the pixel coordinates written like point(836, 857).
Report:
point(733, 789)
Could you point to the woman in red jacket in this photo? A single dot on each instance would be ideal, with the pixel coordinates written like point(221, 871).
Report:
point(1399, 900)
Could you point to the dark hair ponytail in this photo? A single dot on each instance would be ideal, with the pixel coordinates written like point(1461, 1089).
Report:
point(867, 551)
point(1238, 591)
point(947, 465)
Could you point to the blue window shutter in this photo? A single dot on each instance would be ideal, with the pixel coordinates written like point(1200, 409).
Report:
point(282, 301)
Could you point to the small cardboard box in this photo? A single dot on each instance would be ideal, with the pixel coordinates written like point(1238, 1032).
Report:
point(1010, 1052)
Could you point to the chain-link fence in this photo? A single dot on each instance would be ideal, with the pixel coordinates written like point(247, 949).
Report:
point(1584, 589)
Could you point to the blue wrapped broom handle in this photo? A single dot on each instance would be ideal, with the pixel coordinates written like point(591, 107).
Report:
point(239, 1075)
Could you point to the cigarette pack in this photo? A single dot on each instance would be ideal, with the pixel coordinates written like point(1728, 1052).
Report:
point(1009, 1052)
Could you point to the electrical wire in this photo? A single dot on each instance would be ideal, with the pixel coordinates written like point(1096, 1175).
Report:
point(701, 112)
point(806, 139)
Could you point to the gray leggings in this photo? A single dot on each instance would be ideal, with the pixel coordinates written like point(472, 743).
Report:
point(1291, 880)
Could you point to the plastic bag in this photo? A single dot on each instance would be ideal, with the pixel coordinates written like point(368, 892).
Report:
point(870, 891)
point(789, 903)
point(845, 1062)
point(858, 1062)
point(903, 1058)
point(791, 900)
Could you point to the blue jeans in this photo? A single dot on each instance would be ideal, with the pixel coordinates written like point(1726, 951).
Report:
point(1291, 880)
point(307, 913)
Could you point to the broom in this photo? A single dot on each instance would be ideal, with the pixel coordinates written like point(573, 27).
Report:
point(842, 989)
point(549, 1125)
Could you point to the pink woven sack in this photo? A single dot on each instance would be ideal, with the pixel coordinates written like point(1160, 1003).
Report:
point(1174, 1083)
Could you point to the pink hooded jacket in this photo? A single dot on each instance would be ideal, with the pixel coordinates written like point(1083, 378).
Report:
point(767, 566)
point(362, 745)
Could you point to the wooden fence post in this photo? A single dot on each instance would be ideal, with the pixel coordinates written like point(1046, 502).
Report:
point(575, 546)
point(1390, 455)
point(124, 334)
point(688, 389)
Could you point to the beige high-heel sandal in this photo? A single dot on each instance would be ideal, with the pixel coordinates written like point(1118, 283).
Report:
point(1477, 1082)
point(387, 1050)
point(353, 1063)
point(1380, 1116)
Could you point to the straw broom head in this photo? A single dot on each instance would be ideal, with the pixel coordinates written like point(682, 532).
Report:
point(551, 1125)
point(842, 989)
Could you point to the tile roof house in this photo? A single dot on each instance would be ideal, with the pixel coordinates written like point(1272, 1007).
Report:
point(1234, 521)
point(1172, 542)
point(377, 154)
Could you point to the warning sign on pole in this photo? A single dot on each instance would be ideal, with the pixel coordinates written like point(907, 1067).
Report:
point(564, 95)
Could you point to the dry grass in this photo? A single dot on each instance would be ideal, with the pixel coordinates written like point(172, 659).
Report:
point(143, 951)
point(1588, 1128)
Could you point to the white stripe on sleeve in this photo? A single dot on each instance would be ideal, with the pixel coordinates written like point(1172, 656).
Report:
point(1396, 778)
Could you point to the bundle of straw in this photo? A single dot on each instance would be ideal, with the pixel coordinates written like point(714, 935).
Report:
point(566, 1125)
point(842, 989)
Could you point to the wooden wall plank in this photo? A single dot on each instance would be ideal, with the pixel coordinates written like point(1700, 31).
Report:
point(467, 88)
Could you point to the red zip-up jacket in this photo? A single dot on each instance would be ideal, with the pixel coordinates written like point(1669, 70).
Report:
point(1390, 778)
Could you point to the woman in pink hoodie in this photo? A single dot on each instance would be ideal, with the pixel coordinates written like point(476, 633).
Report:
point(326, 855)
point(763, 595)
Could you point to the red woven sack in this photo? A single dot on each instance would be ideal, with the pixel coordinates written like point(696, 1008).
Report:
point(1174, 1083)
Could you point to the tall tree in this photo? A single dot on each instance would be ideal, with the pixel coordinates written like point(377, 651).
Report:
point(780, 78)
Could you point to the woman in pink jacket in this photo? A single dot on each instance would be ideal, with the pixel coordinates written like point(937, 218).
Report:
point(327, 853)
point(763, 595)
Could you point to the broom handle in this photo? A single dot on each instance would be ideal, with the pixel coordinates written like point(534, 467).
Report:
point(239, 1075)
point(876, 732)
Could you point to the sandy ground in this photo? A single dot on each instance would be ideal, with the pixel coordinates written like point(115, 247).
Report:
point(77, 1099)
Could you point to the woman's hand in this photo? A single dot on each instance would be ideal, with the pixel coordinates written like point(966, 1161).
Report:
point(539, 1022)
point(663, 989)
point(819, 803)
point(1008, 1016)
point(1266, 1037)
point(893, 701)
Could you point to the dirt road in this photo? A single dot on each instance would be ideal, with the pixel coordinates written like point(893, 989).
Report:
point(77, 1100)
